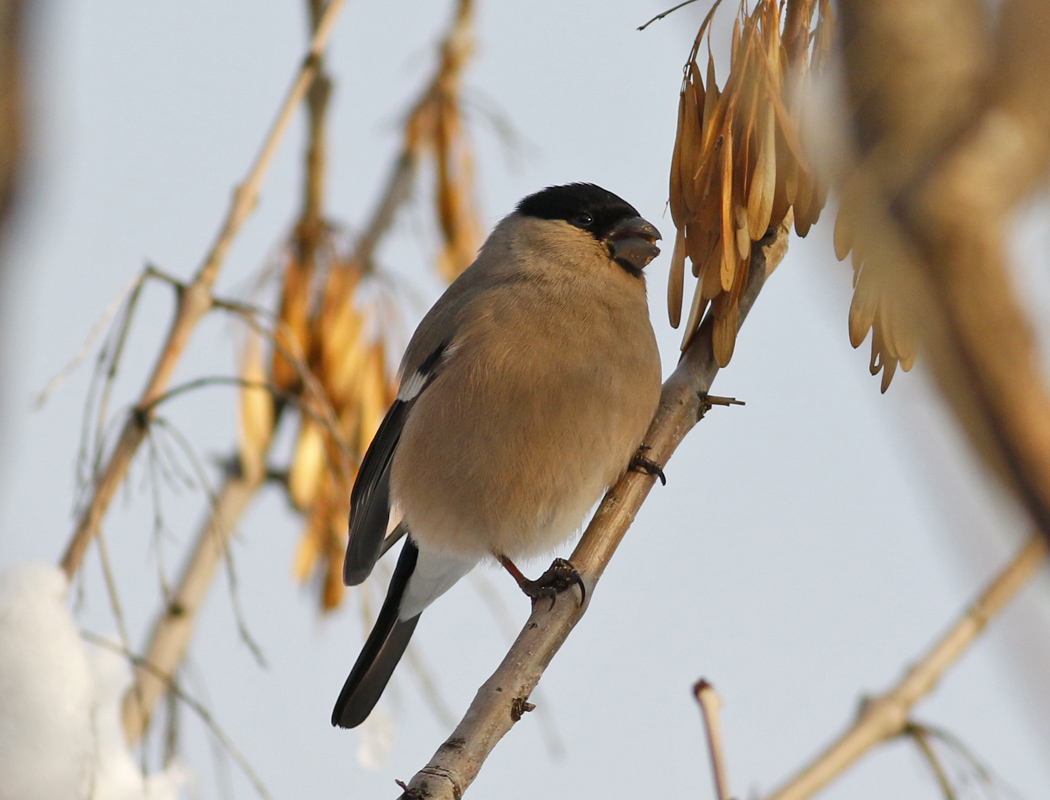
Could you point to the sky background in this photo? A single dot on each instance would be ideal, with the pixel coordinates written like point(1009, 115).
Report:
point(806, 549)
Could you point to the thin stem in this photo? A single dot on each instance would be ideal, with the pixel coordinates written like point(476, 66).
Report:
point(194, 302)
point(145, 665)
point(710, 707)
point(663, 14)
point(174, 627)
point(886, 716)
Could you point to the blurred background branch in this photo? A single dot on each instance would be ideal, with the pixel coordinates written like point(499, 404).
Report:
point(951, 134)
point(888, 715)
point(194, 301)
point(12, 100)
point(328, 352)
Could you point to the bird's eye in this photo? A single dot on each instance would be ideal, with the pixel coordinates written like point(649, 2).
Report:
point(582, 220)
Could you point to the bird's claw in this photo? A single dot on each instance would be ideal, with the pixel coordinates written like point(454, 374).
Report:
point(560, 576)
point(644, 464)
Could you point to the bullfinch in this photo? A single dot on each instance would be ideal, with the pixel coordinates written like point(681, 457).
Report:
point(525, 392)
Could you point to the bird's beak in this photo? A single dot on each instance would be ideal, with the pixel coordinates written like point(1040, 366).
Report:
point(632, 244)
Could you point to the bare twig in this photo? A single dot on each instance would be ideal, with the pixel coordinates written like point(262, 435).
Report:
point(490, 716)
point(89, 342)
point(455, 49)
point(174, 627)
point(886, 716)
point(710, 707)
point(194, 301)
point(973, 771)
point(921, 737)
point(663, 14)
point(311, 221)
point(102, 380)
point(144, 665)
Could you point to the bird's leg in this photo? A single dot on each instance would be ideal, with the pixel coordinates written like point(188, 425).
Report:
point(559, 577)
point(641, 463)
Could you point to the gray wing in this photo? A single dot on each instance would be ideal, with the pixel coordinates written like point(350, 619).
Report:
point(432, 345)
point(370, 497)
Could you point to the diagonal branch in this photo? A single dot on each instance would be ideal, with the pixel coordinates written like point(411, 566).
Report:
point(194, 302)
point(173, 629)
point(886, 716)
point(501, 700)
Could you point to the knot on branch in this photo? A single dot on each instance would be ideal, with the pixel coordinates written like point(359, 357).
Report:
point(520, 706)
point(421, 788)
point(886, 713)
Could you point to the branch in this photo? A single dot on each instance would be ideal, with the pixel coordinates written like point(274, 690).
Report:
point(710, 707)
point(502, 698)
point(455, 48)
point(886, 716)
point(173, 629)
point(194, 301)
point(952, 125)
point(198, 708)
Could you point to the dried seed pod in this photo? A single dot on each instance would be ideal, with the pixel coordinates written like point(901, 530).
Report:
point(679, 210)
point(342, 357)
point(726, 188)
point(676, 280)
point(292, 334)
point(696, 312)
point(802, 203)
point(863, 307)
point(256, 418)
point(690, 144)
point(797, 22)
point(309, 464)
point(738, 165)
point(843, 237)
point(335, 546)
point(373, 400)
point(743, 237)
point(711, 272)
point(763, 182)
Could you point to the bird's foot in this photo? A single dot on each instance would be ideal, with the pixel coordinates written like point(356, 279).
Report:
point(561, 575)
point(709, 401)
point(644, 464)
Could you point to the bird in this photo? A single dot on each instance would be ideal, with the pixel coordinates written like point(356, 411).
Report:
point(525, 392)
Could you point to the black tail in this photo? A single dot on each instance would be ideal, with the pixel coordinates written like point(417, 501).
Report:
point(383, 649)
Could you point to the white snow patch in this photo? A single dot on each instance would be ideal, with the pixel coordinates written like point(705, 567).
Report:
point(60, 733)
point(117, 775)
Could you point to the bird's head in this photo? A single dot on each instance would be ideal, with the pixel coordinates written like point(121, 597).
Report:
point(613, 222)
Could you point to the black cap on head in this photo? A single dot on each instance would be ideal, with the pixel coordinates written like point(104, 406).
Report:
point(583, 205)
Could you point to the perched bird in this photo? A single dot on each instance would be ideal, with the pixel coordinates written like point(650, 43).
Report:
point(525, 393)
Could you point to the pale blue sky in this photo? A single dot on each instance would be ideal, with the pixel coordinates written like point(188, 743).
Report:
point(806, 548)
